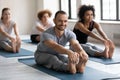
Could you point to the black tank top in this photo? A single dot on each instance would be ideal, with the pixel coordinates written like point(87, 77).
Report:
point(82, 37)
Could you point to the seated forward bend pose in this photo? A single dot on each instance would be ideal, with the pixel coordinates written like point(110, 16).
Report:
point(41, 25)
point(51, 48)
point(83, 28)
point(7, 41)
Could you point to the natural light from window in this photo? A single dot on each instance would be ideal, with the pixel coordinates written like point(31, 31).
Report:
point(109, 9)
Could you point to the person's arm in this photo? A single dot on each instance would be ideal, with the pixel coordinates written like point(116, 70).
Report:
point(40, 28)
point(77, 48)
point(61, 49)
point(100, 30)
point(6, 34)
point(58, 48)
point(16, 31)
point(81, 27)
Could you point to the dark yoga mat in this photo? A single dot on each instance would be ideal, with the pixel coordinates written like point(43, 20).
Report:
point(89, 74)
point(23, 52)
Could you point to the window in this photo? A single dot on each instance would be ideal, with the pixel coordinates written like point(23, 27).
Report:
point(110, 10)
point(104, 9)
point(96, 4)
point(69, 6)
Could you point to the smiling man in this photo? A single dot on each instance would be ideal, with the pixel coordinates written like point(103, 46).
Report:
point(51, 48)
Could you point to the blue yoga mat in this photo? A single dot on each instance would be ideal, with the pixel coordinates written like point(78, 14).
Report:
point(23, 52)
point(89, 74)
point(114, 60)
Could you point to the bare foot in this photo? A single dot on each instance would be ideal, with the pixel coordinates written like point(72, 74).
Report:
point(18, 47)
point(81, 66)
point(14, 46)
point(105, 53)
point(72, 68)
point(111, 49)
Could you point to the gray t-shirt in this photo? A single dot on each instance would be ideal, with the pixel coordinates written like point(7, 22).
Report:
point(50, 35)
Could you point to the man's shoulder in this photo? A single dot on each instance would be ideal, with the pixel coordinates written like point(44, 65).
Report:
point(68, 31)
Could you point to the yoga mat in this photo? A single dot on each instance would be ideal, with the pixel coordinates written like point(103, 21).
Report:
point(23, 52)
point(29, 41)
point(114, 78)
point(89, 74)
point(115, 59)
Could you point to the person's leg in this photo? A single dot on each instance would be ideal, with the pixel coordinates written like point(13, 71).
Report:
point(6, 45)
point(35, 38)
point(95, 52)
point(111, 48)
point(50, 61)
point(13, 44)
point(18, 45)
point(71, 66)
point(103, 54)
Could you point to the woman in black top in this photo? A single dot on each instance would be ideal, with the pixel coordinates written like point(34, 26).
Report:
point(83, 28)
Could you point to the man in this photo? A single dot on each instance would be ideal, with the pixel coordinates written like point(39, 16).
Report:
point(51, 48)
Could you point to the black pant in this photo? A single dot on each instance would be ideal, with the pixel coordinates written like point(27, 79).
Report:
point(33, 38)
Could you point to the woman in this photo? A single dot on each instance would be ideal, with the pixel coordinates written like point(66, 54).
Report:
point(41, 25)
point(8, 42)
point(83, 28)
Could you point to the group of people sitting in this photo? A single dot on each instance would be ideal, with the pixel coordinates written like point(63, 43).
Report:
point(52, 38)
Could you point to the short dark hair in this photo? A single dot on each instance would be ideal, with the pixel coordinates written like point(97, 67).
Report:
point(83, 9)
point(59, 12)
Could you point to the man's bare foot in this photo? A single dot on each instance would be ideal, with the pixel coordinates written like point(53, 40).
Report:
point(80, 67)
point(72, 68)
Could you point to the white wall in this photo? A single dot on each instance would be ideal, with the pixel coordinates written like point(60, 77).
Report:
point(52, 5)
point(22, 11)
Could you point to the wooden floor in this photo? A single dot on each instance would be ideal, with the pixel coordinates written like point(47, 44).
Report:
point(11, 69)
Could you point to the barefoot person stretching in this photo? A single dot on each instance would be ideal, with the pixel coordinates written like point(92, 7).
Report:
point(51, 48)
point(7, 41)
point(83, 28)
